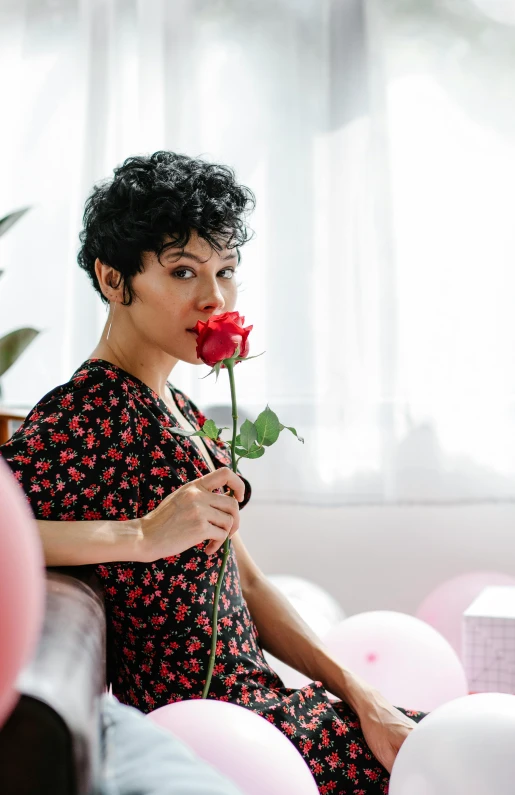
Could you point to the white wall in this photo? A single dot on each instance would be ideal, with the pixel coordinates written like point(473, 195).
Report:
point(382, 557)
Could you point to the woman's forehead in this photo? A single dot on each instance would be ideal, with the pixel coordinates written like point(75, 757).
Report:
point(196, 248)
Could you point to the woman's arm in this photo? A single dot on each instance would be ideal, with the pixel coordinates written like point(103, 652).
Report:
point(80, 543)
point(285, 634)
point(185, 518)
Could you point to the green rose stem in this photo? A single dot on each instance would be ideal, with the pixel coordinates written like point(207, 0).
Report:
point(229, 363)
point(251, 442)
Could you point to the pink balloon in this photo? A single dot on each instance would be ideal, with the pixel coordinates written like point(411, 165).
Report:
point(408, 661)
point(241, 744)
point(8, 701)
point(22, 586)
point(444, 606)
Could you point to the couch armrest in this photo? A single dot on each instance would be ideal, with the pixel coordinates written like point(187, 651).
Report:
point(51, 741)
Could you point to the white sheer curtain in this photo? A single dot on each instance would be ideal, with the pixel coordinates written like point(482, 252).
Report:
point(379, 140)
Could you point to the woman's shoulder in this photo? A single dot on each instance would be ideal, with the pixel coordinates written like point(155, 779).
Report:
point(78, 447)
point(95, 395)
point(90, 387)
point(97, 374)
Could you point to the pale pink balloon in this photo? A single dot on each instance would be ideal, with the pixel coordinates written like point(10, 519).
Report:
point(8, 701)
point(408, 661)
point(241, 744)
point(22, 586)
point(443, 608)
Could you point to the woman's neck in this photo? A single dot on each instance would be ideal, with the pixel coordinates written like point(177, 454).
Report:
point(156, 381)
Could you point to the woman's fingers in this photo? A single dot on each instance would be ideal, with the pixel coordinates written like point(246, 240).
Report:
point(214, 545)
point(221, 478)
point(193, 514)
point(228, 506)
point(224, 513)
point(224, 523)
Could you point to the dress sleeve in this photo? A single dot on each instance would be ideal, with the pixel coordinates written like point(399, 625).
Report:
point(248, 490)
point(76, 455)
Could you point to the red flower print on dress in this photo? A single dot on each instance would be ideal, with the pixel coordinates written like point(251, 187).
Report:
point(99, 444)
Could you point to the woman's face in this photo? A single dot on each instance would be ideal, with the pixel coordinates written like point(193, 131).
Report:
point(179, 288)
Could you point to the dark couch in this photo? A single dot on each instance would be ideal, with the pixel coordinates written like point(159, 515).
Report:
point(50, 742)
point(67, 736)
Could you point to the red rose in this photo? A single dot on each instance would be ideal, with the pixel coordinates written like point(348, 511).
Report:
point(220, 336)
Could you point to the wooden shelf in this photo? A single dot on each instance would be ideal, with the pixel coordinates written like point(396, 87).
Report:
point(8, 415)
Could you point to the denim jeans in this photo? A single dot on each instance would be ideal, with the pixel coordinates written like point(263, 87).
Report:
point(140, 758)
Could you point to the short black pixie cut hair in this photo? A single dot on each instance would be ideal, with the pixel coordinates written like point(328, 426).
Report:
point(150, 197)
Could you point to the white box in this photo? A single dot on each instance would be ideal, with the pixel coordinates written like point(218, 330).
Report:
point(489, 641)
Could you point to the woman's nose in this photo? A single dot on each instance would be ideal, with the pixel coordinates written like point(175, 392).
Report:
point(212, 297)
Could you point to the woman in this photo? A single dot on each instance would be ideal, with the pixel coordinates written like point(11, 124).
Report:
point(111, 486)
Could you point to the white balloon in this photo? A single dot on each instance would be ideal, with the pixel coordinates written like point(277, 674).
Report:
point(318, 602)
point(316, 607)
point(464, 747)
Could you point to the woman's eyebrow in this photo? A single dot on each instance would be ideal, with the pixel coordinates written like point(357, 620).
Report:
point(189, 255)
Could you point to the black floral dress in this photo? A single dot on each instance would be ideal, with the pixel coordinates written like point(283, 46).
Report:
point(99, 447)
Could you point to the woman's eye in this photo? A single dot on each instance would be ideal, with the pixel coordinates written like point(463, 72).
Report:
point(187, 270)
point(182, 270)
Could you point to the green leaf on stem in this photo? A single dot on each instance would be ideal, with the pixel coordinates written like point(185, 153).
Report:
point(268, 427)
point(184, 432)
point(215, 369)
point(248, 358)
point(288, 428)
point(256, 451)
point(247, 435)
point(246, 444)
point(212, 434)
point(211, 430)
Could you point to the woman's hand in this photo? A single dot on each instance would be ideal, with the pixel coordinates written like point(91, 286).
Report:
point(384, 727)
point(193, 514)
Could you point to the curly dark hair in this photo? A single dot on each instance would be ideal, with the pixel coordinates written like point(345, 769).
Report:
point(152, 196)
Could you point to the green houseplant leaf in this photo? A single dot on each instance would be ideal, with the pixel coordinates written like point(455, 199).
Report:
point(9, 220)
point(12, 346)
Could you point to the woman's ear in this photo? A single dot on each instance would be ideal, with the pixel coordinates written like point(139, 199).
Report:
point(109, 279)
